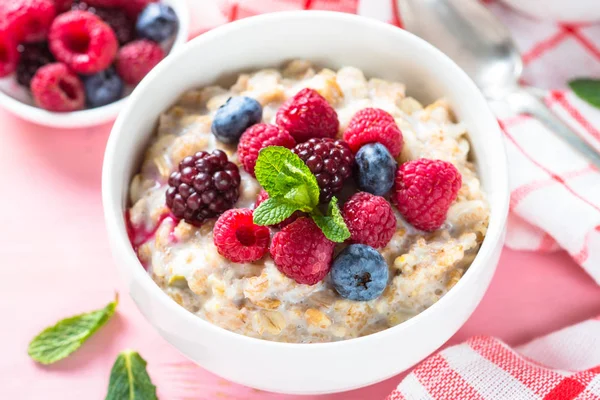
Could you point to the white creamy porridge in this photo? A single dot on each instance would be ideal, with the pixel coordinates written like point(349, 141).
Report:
point(257, 299)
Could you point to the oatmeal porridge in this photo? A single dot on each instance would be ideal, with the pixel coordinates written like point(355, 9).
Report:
point(264, 298)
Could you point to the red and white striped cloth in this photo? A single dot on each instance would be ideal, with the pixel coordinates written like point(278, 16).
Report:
point(564, 365)
point(555, 202)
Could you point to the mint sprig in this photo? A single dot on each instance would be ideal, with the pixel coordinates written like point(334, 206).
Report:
point(292, 187)
point(587, 89)
point(285, 177)
point(332, 224)
point(129, 379)
point(66, 336)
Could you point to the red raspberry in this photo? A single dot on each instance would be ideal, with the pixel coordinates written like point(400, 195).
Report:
point(263, 196)
point(258, 137)
point(9, 54)
point(424, 191)
point(83, 41)
point(56, 88)
point(238, 238)
point(308, 115)
point(134, 7)
point(27, 20)
point(301, 252)
point(136, 59)
point(370, 219)
point(371, 125)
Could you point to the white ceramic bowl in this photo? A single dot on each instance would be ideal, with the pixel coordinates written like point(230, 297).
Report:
point(559, 10)
point(18, 100)
point(333, 40)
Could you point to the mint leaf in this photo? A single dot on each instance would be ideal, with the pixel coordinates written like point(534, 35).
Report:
point(285, 176)
point(272, 211)
point(588, 90)
point(129, 379)
point(58, 341)
point(332, 224)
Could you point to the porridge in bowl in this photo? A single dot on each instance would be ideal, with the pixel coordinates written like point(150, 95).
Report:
point(305, 205)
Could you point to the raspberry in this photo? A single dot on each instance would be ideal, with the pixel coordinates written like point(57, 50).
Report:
point(330, 161)
point(83, 41)
point(114, 17)
point(301, 252)
point(204, 187)
point(55, 88)
point(308, 115)
point(370, 219)
point(136, 59)
point(33, 57)
point(237, 237)
point(263, 196)
point(9, 55)
point(27, 20)
point(424, 191)
point(371, 125)
point(258, 137)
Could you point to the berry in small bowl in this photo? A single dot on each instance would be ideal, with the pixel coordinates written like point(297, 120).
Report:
point(94, 40)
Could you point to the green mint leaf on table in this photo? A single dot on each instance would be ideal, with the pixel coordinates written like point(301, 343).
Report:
point(587, 89)
point(57, 342)
point(332, 224)
point(285, 177)
point(272, 211)
point(129, 379)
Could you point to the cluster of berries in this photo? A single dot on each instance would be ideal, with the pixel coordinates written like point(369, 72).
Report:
point(73, 54)
point(422, 191)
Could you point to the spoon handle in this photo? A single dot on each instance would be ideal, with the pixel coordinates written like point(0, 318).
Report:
point(522, 101)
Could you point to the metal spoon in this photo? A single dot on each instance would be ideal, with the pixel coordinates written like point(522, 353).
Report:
point(480, 44)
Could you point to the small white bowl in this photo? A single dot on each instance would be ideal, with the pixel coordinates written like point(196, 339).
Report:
point(572, 11)
point(18, 100)
point(333, 40)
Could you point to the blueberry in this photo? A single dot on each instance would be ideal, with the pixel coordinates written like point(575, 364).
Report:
point(375, 169)
point(359, 273)
point(234, 117)
point(157, 22)
point(103, 88)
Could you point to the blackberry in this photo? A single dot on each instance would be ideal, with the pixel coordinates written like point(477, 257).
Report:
point(33, 57)
point(120, 23)
point(329, 160)
point(205, 186)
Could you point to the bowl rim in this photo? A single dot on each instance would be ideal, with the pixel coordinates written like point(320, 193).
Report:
point(114, 215)
point(99, 115)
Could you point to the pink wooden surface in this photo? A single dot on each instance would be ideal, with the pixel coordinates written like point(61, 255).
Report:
point(56, 262)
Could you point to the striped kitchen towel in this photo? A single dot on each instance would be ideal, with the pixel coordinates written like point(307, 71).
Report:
point(564, 365)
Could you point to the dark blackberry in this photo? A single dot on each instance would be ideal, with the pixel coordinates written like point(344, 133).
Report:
point(120, 23)
point(204, 187)
point(329, 160)
point(33, 57)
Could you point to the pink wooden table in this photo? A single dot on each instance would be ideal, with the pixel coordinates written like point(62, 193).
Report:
point(56, 262)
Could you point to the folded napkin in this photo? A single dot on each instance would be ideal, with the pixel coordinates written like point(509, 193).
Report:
point(564, 365)
point(555, 203)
